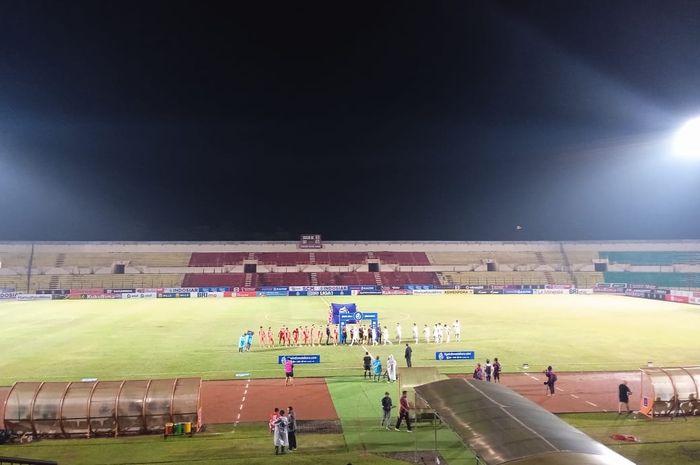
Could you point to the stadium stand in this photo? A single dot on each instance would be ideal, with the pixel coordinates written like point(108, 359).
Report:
point(72, 259)
point(399, 278)
point(283, 258)
point(402, 258)
point(495, 277)
point(17, 282)
point(341, 258)
point(345, 279)
point(116, 281)
point(200, 259)
point(653, 258)
point(682, 280)
point(214, 280)
point(284, 279)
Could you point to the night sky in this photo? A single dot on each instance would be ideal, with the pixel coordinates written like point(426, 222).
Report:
point(432, 120)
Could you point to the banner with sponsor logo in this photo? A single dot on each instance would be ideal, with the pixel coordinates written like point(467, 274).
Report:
point(391, 291)
point(33, 297)
point(359, 292)
point(463, 355)
point(272, 288)
point(150, 289)
point(558, 286)
point(318, 288)
point(683, 299)
point(4, 295)
point(525, 291)
point(427, 291)
point(488, 291)
point(91, 291)
point(458, 291)
point(694, 300)
point(584, 291)
point(174, 295)
point(299, 359)
point(120, 290)
point(328, 293)
point(272, 293)
point(140, 295)
point(53, 291)
point(551, 291)
point(239, 294)
point(209, 294)
point(179, 290)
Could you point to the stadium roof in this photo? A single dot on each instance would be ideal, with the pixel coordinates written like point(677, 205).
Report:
point(500, 426)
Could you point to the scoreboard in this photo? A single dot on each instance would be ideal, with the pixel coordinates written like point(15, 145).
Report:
point(310, 241)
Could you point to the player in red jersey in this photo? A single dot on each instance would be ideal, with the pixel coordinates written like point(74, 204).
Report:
point(312, 335)
point(335, 335)
point(305, 335)
point(280, 336)
point(287, 336)
point(263, 337)
point(270, 338)
point(295, 336)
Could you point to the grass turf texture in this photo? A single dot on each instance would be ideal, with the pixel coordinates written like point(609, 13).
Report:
point(248, 445)
point(126, 339)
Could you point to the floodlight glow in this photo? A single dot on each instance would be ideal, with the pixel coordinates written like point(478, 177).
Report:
point(686, 143)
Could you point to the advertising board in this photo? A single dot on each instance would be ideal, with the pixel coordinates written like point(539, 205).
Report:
point(427, 291)
point(462, 355)
point(140, 295)
point(457, 291)
point(178, 290)
point(4, 295)
point(551, 291)
point(120, 291)
point(299, 359)
point(524, 291)
point(174, 295)
point(272, 293)
point(33, 297)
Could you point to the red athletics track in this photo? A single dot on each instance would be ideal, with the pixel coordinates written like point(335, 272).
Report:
point(576, 391)
point(233, 401)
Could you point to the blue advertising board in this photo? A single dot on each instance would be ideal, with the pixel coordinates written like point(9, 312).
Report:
point(299, 359)
point(273, 288)
point(517, 291)
point(173, 295)
point(214, 289)
point(464, 355)
point(271, 293)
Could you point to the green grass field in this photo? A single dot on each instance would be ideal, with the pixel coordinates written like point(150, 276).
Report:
point(69, 340)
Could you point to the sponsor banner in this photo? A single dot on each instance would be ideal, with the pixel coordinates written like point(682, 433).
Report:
point(683, 293)
point(397, 292)
point(644, 293)
point(364, 288)
point(418, 286)
point(179, 290)
point(272, 288)
point(463, 355)
point(299, 359)
point(174, 295)
point(7, 295)
point(91, 291)
point(298, 293)
point(488, 291)
point(98, 296)
point(244, 294)
point(584, 291)
point(694, 300)
point(642, 286)
point(375, 292)
point(7, 289)
point(33, 297)
point(53, 291)
point(609, 290)
point(428, 291)
point(272, 293)
point(326, 293)
point(558, 286)
point(318, 288)
point(140, 295)
point(242, 289)
point(476, 287)
point(59, 296)
point(150, 289)
point(209, 294)
point(458, 291)
point(120, 291)
point(523, 291)
point(551, 291)
point(677, 298)
point(213, 289)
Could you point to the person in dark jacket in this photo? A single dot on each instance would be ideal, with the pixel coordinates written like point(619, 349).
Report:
point(292, 429)
point(407, 355)
point(387, 405)
point(551, 379)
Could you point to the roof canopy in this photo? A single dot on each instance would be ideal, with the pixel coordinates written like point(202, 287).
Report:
point(501, 426)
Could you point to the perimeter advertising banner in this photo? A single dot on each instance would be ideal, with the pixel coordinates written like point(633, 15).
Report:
point(272, 293)
point(7, 294)
point(463, 355)
point(33, 297)
point(299, 359)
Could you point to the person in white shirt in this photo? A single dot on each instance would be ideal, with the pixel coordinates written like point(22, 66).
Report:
point(426, 334)
point(373, 332)
point(456, 329)
point(355, 335)
point(385, 336)
point(415, 332)
point(446, 330)
point(398, 333)
point(391, 368)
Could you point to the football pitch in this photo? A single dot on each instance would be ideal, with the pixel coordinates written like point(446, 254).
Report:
point(129, 339)
point(159, 338)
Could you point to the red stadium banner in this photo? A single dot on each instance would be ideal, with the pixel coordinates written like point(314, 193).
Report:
point(677, 298)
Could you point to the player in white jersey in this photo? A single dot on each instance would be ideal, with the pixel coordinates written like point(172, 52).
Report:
point(373, 332)
point(436, 334)
point(426, 334)
point(446, 331)
point(415, 332)
point(398, 333)
point(355, 335)
point(385, 336)
point(456, 329)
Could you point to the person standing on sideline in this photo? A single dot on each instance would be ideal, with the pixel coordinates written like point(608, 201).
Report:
point(387, 405)
point(273, 418)
point(415, 332)
point(391, 368)
point(367, 363)
point(487, 370)
point(478, 372)
point(404, 408)
point(407, 355)
point(496, 370)
point(377, 368)
point(241, 342)
point(328, 334)
point(289, 372)
point(551, 379)
point(280, 437)
point(398, 333)
point(624, 397)
point(292, 428)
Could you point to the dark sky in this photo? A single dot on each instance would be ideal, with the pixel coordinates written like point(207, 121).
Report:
point(431, 120)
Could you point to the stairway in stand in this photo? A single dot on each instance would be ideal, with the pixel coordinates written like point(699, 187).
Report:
point(542, 261)
point(567, 265)
point(53, 283)
point(249, 280)
point(251, 255)
point(312, 258)
point(378, 279)
point(60, 260)
point(314, 279)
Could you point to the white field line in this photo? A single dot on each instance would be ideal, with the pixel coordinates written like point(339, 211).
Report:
point(591, 403)
point(574, 396)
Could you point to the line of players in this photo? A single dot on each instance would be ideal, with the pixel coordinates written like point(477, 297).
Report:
point(356, 334)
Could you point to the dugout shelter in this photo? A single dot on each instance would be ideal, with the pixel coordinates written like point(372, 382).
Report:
point(670, 391)
point(101, 408)
point(500, 426)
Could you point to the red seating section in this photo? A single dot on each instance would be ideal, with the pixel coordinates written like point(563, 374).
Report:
point(345, 279)
point(341, 258)
point(283, 258)
point(284, 279)
point(303, 258)
point(403, 258)
point(397, 279)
